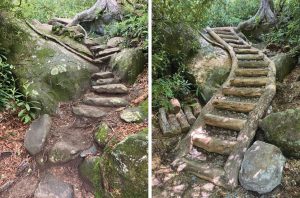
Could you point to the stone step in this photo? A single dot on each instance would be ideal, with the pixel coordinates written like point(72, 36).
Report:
point(235, 41)
point(105, 81)
point(249, 81)
point(105, 101)
point(246, 51)
point(253, 64)
point(111, 88)
point(244, 107)
point(224, 122)
point(242, 92)
point(102, 75)
point(250, 56)
point(89, 111)
point(108, 51)
point(251, 72)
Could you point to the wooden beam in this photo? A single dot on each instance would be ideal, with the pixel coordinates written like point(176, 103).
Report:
point(244, 92)
point(225, 36)
point(250, 56)
point(246, 51)
point(240, 46)
point(235, 41)
point(249, 81)
point(163, 122)
point(251, 72)
point(184, 124)
point(253, 64)
point(243, 107)
point(213, 144)
point(189, 114)
point(224, 122)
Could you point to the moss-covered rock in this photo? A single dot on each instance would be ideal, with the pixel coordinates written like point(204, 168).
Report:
point(101, 134)
point(55, 74)
point(209, 68)
point(283, 130)
point(125, 167)
point(89, 170)
point(284, 63)
point(128, 64)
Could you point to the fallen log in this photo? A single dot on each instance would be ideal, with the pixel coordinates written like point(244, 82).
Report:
point(163, 122)
point(175, 106)
point(189, 115)
point(174, 124)
point(184, 124)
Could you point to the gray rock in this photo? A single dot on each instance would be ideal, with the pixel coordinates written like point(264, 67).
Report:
point(52, 187)
point(37, 133)
point(105, 101)
point(89, 111)
point(102, 75)
point(63, 152)
point(90, 151)
point(128, 64)
point(111, 88)
point(133, 114)
point(89, 170)
point(283, 130)
point(115, 41)
point(209, 68)
point(284, 63)
point(261, 169)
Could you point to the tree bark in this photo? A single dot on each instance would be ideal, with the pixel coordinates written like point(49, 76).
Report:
point(110, 6)
point(264, 17)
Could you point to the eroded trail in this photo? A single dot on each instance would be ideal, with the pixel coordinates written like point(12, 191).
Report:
point(228, 122)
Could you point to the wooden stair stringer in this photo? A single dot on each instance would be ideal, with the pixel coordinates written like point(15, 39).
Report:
point(231, 168)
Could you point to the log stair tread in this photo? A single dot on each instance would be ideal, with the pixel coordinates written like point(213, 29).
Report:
point(244, 107)
point(249, 81)
point(224, 122)
point(251, 72)
point(250, 56)
point(243, 92)
point(252, 63)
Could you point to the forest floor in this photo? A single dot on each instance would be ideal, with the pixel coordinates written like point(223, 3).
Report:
point(20, 173)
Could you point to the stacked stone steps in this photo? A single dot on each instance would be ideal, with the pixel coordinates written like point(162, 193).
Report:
point(107, 93)
point(248, 83)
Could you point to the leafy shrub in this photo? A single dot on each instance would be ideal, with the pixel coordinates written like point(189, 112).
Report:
point(164, 89)
point(11, 98)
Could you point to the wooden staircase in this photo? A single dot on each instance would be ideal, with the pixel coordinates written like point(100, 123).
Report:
point(228, 122)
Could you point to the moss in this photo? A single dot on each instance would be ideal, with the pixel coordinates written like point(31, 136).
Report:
point(101, 134)
point(125, 167)
point(144, 107)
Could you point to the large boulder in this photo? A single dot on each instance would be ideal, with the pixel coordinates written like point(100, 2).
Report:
point(128, 64)
point(284, 63)
point(283, 130)
point(261, 169)
point(89, 170)
point(55, 73)
point(209, 68)
point(125, 167)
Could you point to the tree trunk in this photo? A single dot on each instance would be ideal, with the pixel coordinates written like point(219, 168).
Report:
point(93, 13)
point(264, 17)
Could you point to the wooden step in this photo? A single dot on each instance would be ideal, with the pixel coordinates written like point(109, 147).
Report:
point(225, 36)
point(240, 46)
point(246, 51)
point(224, 122)
point(213, 144)
point(224, 32)
point(251, 72)
point(243, 107)
point(234, 41)
point(253, 64)
point(250, 56)
point(249, 82)
point(108, 52)
point(243, 92)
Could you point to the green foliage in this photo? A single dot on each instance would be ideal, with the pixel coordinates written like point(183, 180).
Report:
point(231, 13)
point(43, 10)
point(11, 98)
point(164, 89)
point(134, 25)
point(288, 27)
